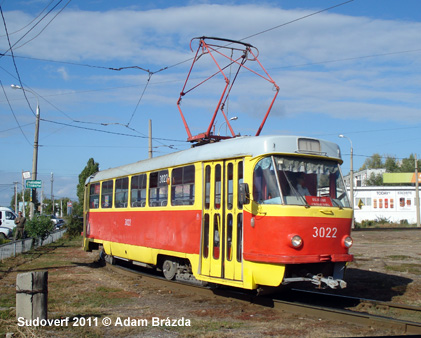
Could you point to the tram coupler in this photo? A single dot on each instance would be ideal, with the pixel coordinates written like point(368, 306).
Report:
point(318, 280)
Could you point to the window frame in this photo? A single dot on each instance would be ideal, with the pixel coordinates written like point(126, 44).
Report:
point(109, 192)
point(158, 186)
point(94, 190)
point(121, 188)
point(183, 183)
point(141, 181)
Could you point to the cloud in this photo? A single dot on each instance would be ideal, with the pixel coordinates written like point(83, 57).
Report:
point(63, 72)
point(157, 38)
point(153, 36)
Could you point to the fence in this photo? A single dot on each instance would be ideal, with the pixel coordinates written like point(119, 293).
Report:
point(23, 245)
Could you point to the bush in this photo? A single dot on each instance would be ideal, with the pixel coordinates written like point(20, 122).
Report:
point(39, 226)
point(74, 226)
point(383, 220)
point(367, 223)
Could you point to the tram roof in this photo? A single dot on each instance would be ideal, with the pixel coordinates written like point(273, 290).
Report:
point(230, 148)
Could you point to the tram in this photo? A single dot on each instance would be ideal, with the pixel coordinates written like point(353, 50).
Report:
point(229, 213)
point(252, 212)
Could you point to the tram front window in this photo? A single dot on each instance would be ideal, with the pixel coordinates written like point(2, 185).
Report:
point(299, 181)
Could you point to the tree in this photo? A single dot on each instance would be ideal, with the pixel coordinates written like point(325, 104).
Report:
point(48, 205)
point(91, 168)
point(373, 162)
point(408, 164)
point(374, 180)
point(19, 195)
point(392, 165)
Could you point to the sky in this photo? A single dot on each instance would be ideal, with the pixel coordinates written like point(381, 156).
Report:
point(101, 70)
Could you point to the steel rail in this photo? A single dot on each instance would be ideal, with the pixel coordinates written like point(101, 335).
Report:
point(354, 301)
point(328, 313)
point(359, 318)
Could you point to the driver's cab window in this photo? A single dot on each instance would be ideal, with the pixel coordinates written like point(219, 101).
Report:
point(299, 181)
point(265, 186)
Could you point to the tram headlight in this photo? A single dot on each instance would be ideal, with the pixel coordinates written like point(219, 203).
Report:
point(347, 242)
point(295, 241)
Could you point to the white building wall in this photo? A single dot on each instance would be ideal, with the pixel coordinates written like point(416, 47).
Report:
point(392, 203)
point(360, 177)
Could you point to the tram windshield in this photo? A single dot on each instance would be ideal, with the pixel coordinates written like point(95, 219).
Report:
point(299, 181)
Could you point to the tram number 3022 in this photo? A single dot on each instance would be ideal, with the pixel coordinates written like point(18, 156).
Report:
point(323, 232)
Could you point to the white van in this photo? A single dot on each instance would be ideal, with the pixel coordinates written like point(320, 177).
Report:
point(7, 222)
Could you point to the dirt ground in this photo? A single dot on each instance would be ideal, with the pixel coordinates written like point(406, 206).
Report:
point(387, 266)
point(84, 297)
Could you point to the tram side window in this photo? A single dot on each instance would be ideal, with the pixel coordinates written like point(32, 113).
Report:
point(230, 174)
point(206, 236)
point(239, 237)
point(207, 186)
point(158, 188)
point(107, 194)
point(182, 190)
point(121, 192)
point(218, 186)
point(94, 196)
point(216, 235)
point(240, 180)
point(229, 237)
point(138, 191)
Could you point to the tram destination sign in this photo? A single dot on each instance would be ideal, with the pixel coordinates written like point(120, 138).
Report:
point(33, 184)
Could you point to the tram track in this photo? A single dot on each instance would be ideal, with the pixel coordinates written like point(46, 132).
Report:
point(387, 229)
point(335, 307)
point(361, 304)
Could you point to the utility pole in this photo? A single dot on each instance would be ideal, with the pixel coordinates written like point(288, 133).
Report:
point(42, 200)
point(16, 196)
point(52, 196)
point(35, 155)
point(23, 197)
point(417, 196)
point(150, 138)
point(35, 164)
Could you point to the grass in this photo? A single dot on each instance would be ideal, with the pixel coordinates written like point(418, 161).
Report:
point(414, 269)
point(80, 288)
point(399, 257)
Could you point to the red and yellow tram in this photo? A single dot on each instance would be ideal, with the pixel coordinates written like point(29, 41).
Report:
point(247, 212)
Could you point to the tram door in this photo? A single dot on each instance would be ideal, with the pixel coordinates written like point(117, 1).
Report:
point(221, 254)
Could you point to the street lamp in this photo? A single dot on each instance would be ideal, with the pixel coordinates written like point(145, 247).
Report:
point(35, 155)
point(351, 172)
point(231, 119)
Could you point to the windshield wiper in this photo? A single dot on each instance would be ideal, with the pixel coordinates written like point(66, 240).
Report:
point(295, 191)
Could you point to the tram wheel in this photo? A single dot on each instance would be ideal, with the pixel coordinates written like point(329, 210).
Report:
point(169, 268)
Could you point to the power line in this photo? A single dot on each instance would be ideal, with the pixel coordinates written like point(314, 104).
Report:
point(13, 58)
point(45, 25)
point(30, 21)
point(151, 73)
point(14, 115)
point(295, 20)
point(6, 130)
point(33, 27)
point(178, 63)
point(141, 96)
point(350, 58)
point(109, 132)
